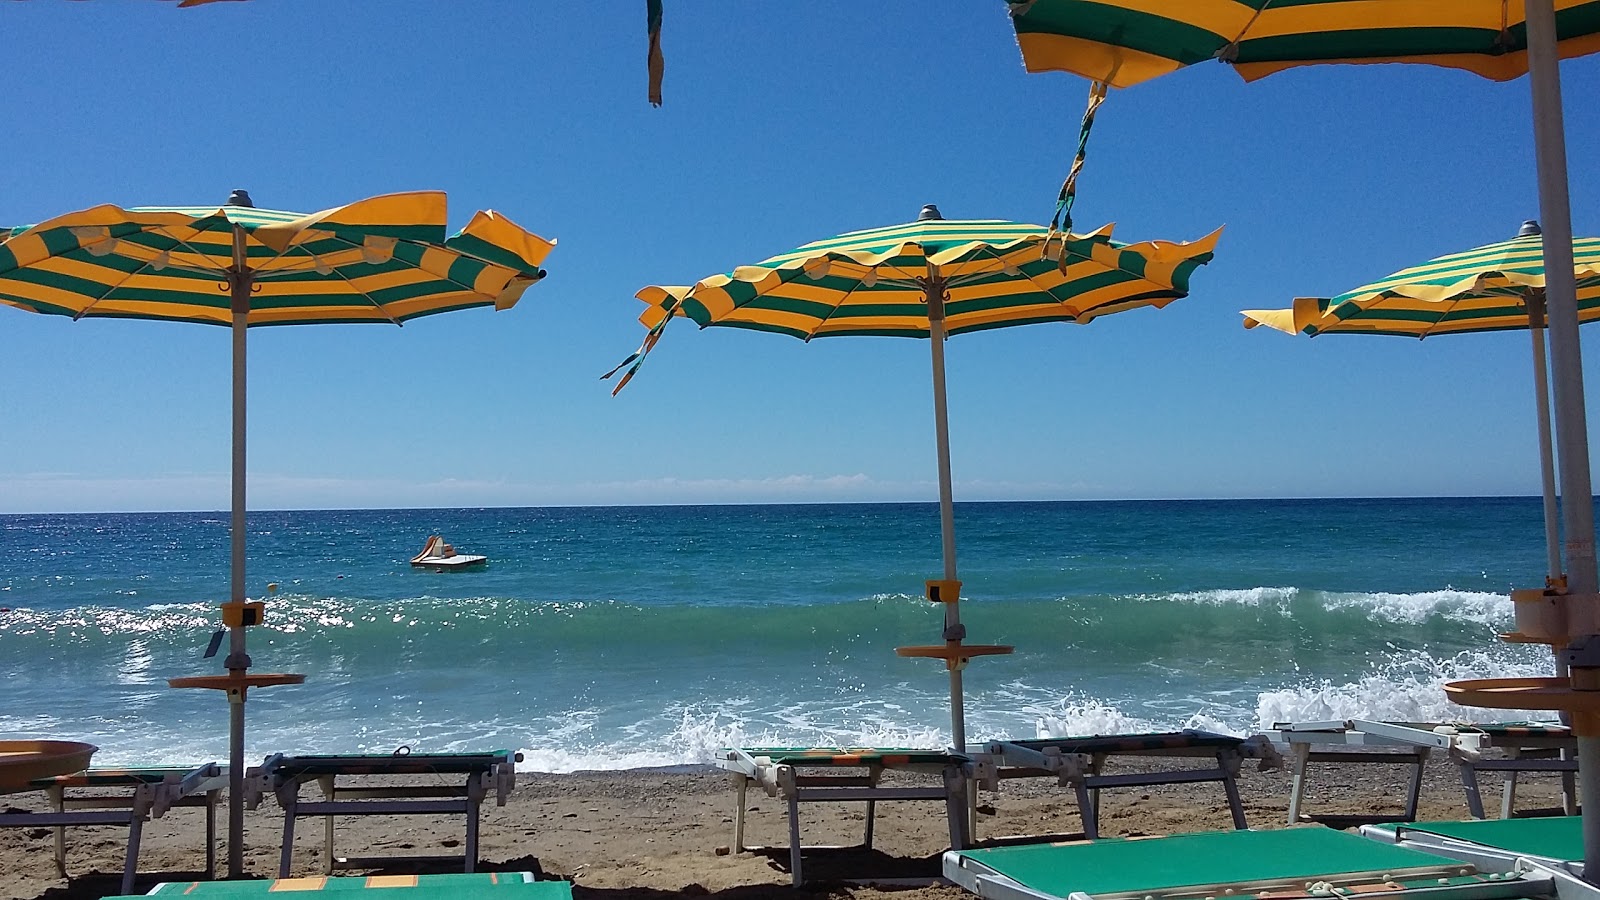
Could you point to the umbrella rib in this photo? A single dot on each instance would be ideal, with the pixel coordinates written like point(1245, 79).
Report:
point(143, 269)
point(358, 292)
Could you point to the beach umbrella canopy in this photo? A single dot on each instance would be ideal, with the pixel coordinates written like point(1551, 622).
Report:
point(931, 278)
point(1125, 42)
point(386, 259)
point(1497, 287)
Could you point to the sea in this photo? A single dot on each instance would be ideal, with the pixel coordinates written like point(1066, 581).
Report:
point(633, 637)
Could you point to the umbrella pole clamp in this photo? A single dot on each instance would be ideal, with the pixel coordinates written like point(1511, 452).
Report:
point(1553, 616)
point(955, 654)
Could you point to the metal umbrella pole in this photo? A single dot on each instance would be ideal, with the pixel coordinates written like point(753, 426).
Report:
point(1561, 295)
point(1547, 462)
point(934, 290)
point(238, 661)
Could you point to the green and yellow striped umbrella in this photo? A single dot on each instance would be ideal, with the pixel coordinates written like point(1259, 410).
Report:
point(1484, 289)
point(386, 259)
point(932, 278)
point(1498, 287)
point(1124, 42)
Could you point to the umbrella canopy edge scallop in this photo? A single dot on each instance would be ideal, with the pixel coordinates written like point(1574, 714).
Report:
point(932, 278)
point(385, 259)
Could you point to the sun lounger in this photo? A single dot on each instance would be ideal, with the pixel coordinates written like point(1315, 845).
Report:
point(1078, 762)
point(127, 798)
point(477, 776)
point(1267, 865)
point(503, 885)
point(1526, 748)
point(800, 775)
point(1554, 840)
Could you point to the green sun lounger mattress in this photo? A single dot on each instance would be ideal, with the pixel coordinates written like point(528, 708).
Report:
point(1126, 743)
point(114, 776)
point(1555, 837)
point(862, 756)
point(507, 885)
point(391, 764)
point(1209, 858)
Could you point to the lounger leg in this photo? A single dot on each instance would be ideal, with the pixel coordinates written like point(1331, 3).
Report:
point(475, 792)
point(58, 801)
point(288, 798)
point(1508, 795)
point(211, 834)
point(794, 839)
point(130, 865)
point(1096, 763)
point(1569, 788)
point(1299, 759)
point(972, 813)
point(1087, 811)
point(328, 793)
point(1231, 788)
point(958, 793)
point(741, 785)
point(1469, 780)
point(1414, 793)
point(872, 808)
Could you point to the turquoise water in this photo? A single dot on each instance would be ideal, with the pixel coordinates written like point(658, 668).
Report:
point(622, 637)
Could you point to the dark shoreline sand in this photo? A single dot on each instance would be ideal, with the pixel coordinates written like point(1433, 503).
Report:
point(645, 834)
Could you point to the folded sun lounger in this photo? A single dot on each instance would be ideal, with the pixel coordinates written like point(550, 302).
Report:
point(126, 797)
point(1079, 762)
point(1554, 840)
point(1268, 865)
point(1527, 747)
point(476, 776)
point(503, 885)
point(801, 775)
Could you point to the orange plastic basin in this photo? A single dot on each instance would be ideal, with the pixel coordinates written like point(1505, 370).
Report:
point(23, 761)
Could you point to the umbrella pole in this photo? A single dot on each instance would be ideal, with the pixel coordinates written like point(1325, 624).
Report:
point(1547, 462)
point(933, 288)
point(1561, 295)
point(238, 660)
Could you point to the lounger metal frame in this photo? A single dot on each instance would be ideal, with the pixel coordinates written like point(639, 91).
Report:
point(826, 781)
point(1079, 763)
point(1349, 740)
point(1485, 856)
point(483, 775)
point(1531, 880)
point(407, 885)
point(124, 797)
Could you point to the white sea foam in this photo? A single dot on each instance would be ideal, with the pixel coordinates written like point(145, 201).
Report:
point(1277, 598)
point(1476, 607)
point(1407, 690)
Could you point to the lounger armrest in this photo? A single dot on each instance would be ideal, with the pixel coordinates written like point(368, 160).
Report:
point(981, 769)
point(175, 787)
point(257, 781)
point(505, 781)
point(1261, 747)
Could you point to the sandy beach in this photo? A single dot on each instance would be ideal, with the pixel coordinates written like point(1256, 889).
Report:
point(643, 834)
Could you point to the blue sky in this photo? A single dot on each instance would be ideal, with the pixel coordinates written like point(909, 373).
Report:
point(783, 123)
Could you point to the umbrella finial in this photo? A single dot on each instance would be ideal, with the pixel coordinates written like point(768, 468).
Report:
point(240, 197)
point(929, 212)
point(1529, 228)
